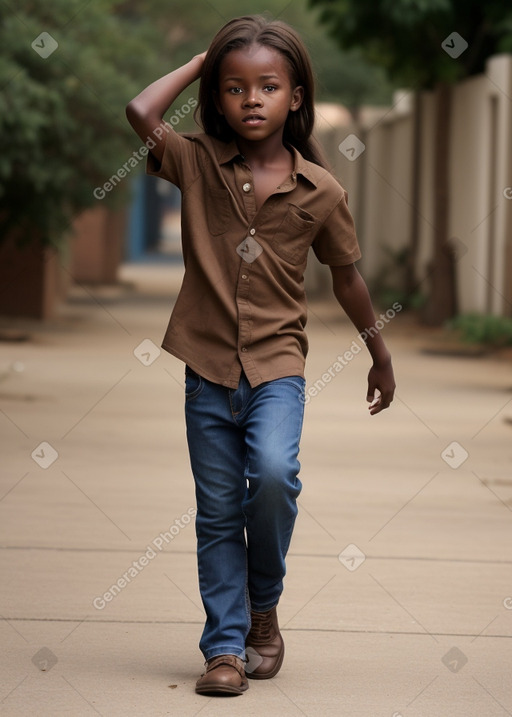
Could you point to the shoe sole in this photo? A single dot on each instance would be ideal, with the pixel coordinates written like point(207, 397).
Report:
point(221, 690)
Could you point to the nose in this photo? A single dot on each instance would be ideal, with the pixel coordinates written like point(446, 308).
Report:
point(252, 99)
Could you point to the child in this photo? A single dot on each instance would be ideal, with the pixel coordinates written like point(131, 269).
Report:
point(255, 198)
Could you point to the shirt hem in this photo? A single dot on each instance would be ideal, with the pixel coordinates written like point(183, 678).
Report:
point(283, 373)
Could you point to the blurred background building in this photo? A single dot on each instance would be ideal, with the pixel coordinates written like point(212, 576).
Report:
point(414, 112)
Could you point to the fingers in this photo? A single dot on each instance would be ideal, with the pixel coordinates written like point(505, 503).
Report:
point(381, 389)
point(373, 397)
point(378, 400)
point(379, 404)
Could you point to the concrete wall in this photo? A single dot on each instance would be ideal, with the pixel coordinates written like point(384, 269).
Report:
point(380, 184)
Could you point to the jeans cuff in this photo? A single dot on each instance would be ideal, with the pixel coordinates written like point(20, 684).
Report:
point(226, 650)
point(265, 607)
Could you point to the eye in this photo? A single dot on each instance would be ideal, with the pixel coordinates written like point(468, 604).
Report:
point(270, 88)
point(235, 90)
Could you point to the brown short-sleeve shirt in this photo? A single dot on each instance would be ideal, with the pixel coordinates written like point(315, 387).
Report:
point(242, 302)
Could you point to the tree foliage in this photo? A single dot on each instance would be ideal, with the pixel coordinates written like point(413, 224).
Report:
point(62, 124)
point(405, 36)
point(63, 130)
point(342, 76)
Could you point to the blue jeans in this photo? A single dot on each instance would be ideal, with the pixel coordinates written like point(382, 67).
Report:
point(243, 447)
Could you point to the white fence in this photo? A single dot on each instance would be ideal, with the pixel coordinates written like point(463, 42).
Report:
point(387, 184)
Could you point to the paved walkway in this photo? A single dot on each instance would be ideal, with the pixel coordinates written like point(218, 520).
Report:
point(398, 598)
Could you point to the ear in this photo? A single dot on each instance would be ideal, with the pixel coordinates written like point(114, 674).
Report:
point(297, 97)
point(217, 103)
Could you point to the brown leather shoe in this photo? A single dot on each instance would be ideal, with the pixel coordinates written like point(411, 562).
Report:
point(264, 646)
point(224, 675)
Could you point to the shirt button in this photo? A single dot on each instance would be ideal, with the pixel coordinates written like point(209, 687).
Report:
point(252, 232)
point(246, 187)
point(244, 348)
point(244, 276)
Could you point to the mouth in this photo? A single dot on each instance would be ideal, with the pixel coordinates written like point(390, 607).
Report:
point(253, 119)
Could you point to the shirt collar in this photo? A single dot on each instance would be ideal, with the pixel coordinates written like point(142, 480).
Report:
point(230, 151)
point(306, 169)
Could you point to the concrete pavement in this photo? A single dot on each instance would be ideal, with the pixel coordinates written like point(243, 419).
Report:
point(398, 598)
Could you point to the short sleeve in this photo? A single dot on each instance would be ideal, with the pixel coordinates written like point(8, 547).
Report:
point(336, 242)
point(179, 163)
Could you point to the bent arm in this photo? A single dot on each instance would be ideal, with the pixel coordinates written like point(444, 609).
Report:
point(352, 294)
point(145, 112)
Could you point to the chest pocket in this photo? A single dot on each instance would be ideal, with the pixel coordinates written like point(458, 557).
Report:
point(294, 235)
point(218, 210)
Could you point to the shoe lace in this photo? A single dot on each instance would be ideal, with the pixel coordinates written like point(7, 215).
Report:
point(262, 628)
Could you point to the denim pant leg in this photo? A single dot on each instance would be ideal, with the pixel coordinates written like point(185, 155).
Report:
point(273, 429)
point(243, 447)
point(217, 458)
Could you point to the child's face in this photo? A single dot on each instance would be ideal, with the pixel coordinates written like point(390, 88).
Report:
point(255, 93)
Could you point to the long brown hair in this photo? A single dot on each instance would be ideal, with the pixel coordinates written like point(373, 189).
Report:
point(251, 30)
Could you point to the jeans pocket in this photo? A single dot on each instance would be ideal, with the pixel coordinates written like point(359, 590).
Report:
point(193, 383)
point(297, 382)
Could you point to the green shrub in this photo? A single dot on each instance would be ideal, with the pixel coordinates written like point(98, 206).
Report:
point(63, 130)
point(486, 329)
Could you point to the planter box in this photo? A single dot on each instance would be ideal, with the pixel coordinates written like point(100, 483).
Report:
point(97, 245)
point(30, 283)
